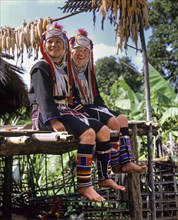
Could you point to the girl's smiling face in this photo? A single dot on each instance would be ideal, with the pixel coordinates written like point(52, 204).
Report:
point(54, 46)
point(81, 55)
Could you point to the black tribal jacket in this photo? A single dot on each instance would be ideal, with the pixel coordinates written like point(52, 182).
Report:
point(41, 91)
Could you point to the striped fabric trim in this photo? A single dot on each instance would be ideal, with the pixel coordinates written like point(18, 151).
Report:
point(81, 185)
point(115, 158)
point(123, 154)
point(125, 140)
point(84, 162)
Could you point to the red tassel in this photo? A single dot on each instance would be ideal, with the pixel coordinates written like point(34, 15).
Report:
point(69, 73)
point(82, 32)
point(58, 26)
point(95, 93)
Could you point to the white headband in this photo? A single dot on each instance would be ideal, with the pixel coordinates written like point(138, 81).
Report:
point(52, 31)
point(82, 41)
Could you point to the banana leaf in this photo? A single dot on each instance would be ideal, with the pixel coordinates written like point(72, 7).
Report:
point(159, 84)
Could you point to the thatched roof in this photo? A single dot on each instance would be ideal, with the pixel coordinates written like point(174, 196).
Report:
point(13, 91)
point(77, 5)
point(125, 15)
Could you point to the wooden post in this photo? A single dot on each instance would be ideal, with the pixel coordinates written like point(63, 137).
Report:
point(7, 189)
point(149, 117)
point(134, 191)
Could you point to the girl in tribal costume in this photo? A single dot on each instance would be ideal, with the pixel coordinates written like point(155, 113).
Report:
point(88, 101)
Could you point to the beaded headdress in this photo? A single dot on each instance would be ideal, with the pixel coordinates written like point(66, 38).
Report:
point(81, 40)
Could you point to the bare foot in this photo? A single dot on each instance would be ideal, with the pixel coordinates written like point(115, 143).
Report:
point(129, 167)
point(90, 194)
point(111, 184)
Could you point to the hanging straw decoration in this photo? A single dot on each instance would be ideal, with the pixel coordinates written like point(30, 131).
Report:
point(124, 14)
point(127, 24)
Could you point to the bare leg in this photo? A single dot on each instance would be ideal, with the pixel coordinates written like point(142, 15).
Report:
point(90, 194)
point(129, 167)
point(111, 184)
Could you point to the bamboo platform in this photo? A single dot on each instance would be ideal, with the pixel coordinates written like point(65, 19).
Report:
point(22, 140)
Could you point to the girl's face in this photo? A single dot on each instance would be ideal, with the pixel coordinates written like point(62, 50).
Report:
point(81, 55)
point(54, 47)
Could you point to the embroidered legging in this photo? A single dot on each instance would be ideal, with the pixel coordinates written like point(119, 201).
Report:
point(103, 160)
point(84, 162)
point(122, 153)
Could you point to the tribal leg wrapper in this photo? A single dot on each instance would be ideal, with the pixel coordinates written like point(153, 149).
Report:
point(84, 162)
point(115, 151)
point(103, 160)
point(122, 151)
point(125, 150)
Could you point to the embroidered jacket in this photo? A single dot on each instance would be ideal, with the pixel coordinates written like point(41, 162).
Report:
point(42, 91)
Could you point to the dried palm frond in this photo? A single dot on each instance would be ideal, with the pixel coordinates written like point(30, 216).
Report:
point(13, 91)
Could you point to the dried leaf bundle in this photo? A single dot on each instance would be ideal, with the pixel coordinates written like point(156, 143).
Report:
point(124, 14)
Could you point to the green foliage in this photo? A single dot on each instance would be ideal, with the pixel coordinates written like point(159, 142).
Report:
point(47, 173)
point(108, 70)
point(163, 100)
point(22, 118)
point(163, 44)
point(159, 85)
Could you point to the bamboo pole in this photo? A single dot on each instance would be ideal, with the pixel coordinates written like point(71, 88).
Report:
point(149, 116)
point(67, 16)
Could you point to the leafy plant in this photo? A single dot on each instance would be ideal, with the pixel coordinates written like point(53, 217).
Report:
point(164, 101)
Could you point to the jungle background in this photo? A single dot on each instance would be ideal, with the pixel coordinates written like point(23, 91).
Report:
point(122, 87)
